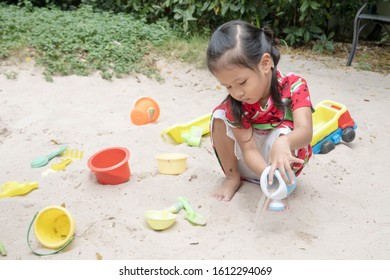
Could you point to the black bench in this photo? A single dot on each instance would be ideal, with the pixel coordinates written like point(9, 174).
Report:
point(368, 18)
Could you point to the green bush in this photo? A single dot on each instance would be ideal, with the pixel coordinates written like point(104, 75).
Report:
point(296, 21)
point(80, 42)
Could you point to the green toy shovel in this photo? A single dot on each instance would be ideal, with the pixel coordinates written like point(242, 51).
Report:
point(191, 216)
point(43, 160)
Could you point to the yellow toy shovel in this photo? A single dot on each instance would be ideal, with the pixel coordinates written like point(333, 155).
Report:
point(15, 188)
point(61, 165)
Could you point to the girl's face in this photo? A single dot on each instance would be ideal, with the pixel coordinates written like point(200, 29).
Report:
point(244, 84)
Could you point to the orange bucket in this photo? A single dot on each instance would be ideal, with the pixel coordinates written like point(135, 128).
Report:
point(111, 166)
point(144, 110)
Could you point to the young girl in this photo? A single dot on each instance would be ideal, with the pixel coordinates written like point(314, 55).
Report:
point(266, 119)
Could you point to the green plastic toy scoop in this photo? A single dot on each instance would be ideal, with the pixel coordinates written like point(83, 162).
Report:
point(43, 160)
point(194, 136)
point(191, 216)
point(175, 208)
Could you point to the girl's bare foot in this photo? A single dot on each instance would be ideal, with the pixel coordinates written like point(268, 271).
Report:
point(227, 189)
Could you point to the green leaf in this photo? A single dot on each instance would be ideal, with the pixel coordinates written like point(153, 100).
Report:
point(304, 7)
point(224, 9)
point(314, 5)
point(315, 29)
point(306, 36)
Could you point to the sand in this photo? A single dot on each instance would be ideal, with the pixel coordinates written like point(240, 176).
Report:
point(339, 211)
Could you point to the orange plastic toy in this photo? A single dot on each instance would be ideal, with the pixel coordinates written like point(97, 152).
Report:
point(144, 110)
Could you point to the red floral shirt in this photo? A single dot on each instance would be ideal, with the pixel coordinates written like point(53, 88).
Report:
point(294, 93)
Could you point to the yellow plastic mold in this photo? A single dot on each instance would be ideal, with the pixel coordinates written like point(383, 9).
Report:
point(177, 131)
point(13, 188)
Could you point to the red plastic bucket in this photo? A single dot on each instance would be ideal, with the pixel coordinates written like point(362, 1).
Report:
point(111, 166)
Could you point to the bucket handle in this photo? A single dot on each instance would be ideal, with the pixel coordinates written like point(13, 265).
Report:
point(44, 254)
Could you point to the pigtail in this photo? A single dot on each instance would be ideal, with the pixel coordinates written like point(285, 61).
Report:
point(275, 54)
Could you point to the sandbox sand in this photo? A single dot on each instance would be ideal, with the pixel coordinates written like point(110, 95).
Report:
point(340, 209)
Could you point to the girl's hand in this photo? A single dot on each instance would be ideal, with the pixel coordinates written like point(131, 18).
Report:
point(281, 158)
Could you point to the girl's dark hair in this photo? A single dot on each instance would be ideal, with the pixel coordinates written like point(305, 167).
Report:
point(239, 43)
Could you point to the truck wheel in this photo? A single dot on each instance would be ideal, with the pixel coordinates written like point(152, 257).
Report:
point(348, 134)
point(327, 146)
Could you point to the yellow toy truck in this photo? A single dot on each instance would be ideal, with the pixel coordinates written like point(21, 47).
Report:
point(332, 123)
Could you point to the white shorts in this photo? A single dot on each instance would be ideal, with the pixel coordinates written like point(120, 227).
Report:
point(264, 139)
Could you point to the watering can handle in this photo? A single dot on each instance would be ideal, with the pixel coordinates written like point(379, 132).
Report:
point(44, 254)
